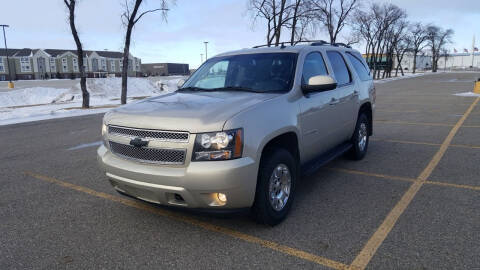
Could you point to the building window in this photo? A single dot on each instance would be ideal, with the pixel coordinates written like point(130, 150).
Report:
point(104, 64)
point(112, 65)
point(2, 69)
point(85, 63)
point(25, 64)
point(53, 66)
point(75, 64)
point(64, 64)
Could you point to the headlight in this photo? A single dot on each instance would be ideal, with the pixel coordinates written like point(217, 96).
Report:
point(104, 130)
point(104, 134)
point(221, 145)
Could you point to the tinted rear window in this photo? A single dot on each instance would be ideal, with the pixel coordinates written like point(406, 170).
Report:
point(340, 70)
point(359, 67)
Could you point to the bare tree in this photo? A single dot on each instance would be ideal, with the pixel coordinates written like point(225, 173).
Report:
point(444, 53)
point(419, 37)
point(397, 48)
point(437, 39)
point(301, 20)
point(71, 4)
point(333, 14)
point(403, 46)
point(276, 13)
point(130, 17)
point(376, 25)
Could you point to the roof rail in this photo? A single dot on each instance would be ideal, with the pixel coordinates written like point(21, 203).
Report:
point(312, 43)
point(341, 44)
point(260, 46)
point(318, 43)
point(282, 45)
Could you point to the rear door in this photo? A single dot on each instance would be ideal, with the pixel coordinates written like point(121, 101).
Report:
point(317, 118)
point(344, 102)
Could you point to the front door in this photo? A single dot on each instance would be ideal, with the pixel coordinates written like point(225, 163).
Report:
point(318, 117)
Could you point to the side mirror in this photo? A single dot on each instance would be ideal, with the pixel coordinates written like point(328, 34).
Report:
point(319, 83)
point(180, 83)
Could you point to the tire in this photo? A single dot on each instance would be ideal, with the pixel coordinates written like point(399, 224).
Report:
point(272, 212)
point(360, 147)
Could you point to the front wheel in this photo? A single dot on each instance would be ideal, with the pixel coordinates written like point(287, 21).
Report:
point(275, 187)
point(360, 138)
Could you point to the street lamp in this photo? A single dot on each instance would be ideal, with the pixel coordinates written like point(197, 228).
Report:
point(206, 56)
point(201, 58)
point(10, 84)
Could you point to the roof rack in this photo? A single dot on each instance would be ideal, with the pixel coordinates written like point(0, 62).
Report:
point(312, 43)
point(341, 44)
point(282, 45)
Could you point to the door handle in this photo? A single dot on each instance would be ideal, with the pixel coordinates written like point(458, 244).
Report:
point(334, 101)
point(355, 93)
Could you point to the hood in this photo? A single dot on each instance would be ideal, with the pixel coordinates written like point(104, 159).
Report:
point(185, 111)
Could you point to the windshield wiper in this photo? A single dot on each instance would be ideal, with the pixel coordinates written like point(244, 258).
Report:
point(237, 88)
point(192, 88)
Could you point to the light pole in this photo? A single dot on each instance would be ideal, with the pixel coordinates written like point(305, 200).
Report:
point(10, 84)
point(206, 55)
point(201, 58)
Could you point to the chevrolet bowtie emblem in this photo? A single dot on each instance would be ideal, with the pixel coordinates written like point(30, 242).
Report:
point(138, 142)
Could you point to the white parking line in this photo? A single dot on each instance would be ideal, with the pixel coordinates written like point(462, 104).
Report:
point(85, 145)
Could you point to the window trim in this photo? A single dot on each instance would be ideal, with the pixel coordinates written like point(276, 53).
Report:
point(352, 80)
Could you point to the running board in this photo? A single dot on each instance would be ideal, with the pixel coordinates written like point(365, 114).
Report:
point(311, 167)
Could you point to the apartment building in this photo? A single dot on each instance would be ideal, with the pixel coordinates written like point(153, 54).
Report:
point(29, 64)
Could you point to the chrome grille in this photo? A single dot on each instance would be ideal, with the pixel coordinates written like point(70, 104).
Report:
point(173, 136)
point(150, 155)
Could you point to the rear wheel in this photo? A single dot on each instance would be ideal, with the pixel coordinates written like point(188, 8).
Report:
point(360, 138)
point(275, 187)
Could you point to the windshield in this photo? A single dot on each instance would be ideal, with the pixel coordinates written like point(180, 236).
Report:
point(260, 72)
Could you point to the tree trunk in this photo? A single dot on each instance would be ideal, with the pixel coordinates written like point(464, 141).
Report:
point(126, 50)
point(280, 23)
point(414, 61)
point(294, 24)
point(83, 77)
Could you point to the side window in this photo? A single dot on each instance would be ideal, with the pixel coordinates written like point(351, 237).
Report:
point(359, 67)
point(313, 66)
point(340, 70)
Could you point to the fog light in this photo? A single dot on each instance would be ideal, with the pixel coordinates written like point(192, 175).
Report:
point(222, 197)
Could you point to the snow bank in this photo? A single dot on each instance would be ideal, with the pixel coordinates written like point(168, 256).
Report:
point(169, 84)
point(407, 76)
point(64, 102)
point(111, 88)
point(467, 94)
point(30, 96)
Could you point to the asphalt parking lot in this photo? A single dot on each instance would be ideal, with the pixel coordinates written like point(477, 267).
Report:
point(412, 203)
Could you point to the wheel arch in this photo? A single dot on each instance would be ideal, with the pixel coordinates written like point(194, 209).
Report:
point(367, 109)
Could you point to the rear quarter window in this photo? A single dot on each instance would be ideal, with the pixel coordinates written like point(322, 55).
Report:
point(362, 71)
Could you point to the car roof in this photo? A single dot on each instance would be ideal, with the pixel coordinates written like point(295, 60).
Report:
point(286, 49)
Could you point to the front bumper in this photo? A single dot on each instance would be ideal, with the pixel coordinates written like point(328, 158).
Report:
point(196, 184)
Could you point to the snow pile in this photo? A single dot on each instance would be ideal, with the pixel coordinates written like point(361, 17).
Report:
point(467, 94)
point(39, 103)
point(407, 76)
point(30, 96)
point(111, 88)
point(169, 84)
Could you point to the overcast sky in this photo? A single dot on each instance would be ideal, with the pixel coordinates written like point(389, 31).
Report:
point(224, 23)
